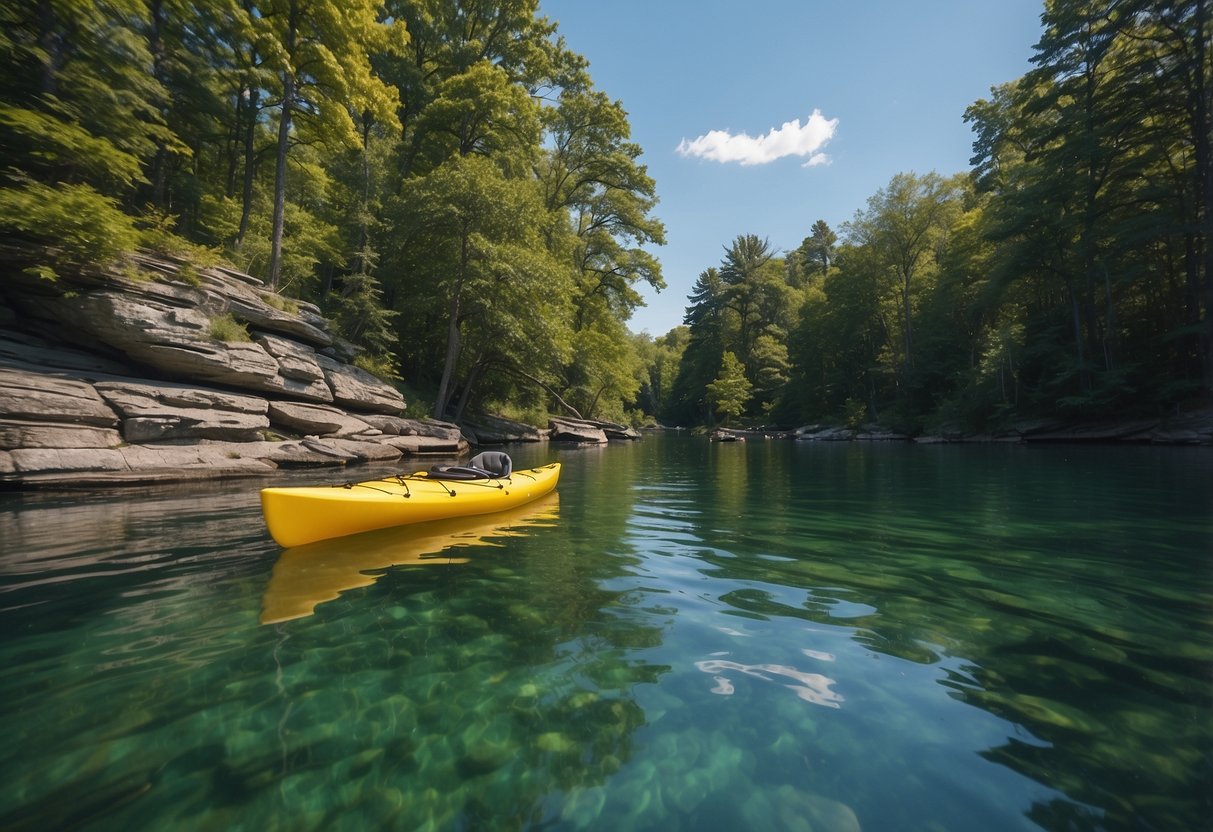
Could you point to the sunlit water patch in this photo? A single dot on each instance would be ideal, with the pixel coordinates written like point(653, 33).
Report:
point(693, 636)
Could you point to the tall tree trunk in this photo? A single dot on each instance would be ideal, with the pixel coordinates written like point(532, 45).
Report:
point(284, 139)
point(232, 147)
point(466, 396)
point(155, 38)
point(1109, 332)
point(250, 96)
point(905, 310)
point(360, 264)
point(443, 399)
point(250, 163)
point(1078, 343)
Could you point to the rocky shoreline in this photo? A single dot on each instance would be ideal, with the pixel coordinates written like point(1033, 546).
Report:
point(125, 378)
point(1192, 428)
point(163, 373)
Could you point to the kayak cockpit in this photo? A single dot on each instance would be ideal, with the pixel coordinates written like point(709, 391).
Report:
point(486, 465)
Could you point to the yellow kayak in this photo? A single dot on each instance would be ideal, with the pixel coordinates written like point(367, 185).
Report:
point(306, 576)
point(296, 516)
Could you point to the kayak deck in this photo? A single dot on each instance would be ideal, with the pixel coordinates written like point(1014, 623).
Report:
point(295, 516)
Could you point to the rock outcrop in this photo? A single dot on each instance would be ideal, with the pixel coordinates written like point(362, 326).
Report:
point(497, 430)
point(614, 430)
point(162, 373)
point(588, 431)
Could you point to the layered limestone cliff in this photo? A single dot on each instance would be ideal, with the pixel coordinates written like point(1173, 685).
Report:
point(162, 372)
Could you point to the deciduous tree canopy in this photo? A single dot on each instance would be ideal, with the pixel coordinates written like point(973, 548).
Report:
point(441, 177)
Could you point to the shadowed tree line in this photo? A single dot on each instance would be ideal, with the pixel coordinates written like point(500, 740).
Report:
point(439, 176)
point(1069, 273)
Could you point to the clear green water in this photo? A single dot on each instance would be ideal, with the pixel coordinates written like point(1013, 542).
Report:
point(761, 636)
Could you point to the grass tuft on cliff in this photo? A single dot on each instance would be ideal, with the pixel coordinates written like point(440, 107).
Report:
point(226, 328)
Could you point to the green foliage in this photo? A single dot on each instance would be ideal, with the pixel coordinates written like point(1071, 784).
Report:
point(281, 303)
point(360, 317)
point(381, 366)
point(730, 391)
point(854, 413)
point(815, 255)
point(156, 235)
point(53, 142)
point(444, 182)
point(471, 239)
point(439, 177)
point(76, 223)
point(528, 414)
point(314, 245)
point(746, 307)
point(1069, 275)
point(226, 328)
point(661, 358)
point(79, 105)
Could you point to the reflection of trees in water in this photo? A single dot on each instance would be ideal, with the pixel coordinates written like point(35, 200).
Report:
point(500, 692)
point(1092, 652)
point(1140, 721)
point(511, 676)
point(506, 679)
point(308, 575)
point(464, 697)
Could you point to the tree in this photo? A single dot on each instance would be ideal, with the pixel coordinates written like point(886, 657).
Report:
point(661, 357)
point(591, 176)
point(730, 391)
point(708, 323)
point(1095, 162)
point(320, 50)
point(901, 229)
point(80, 117)
point(816, 252)
point(746, 280)
point(473, 245)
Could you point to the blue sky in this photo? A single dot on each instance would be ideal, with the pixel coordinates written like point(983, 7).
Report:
point(890, 82)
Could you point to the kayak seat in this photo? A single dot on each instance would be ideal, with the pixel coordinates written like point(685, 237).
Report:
point(497, 463)
point(486, 465)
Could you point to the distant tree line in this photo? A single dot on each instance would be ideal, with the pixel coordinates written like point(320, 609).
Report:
point(1069, 274)
point(440, 176)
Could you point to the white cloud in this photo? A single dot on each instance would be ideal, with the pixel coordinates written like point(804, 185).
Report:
point(791, 139)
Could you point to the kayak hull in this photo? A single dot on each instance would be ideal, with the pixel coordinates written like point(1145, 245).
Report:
point(306, 576)
point(295, 516)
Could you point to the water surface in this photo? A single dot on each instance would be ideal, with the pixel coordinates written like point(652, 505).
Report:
point(690, 636)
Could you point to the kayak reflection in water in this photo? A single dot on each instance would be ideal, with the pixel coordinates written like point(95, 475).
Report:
point(308, 575)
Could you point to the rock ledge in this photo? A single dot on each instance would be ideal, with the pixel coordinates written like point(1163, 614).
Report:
point(105, 379)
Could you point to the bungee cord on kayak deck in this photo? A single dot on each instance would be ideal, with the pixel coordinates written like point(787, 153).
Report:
point(403, 481)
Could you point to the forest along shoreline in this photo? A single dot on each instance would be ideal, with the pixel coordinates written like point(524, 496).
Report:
point(163, 372)
point(486, 229)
